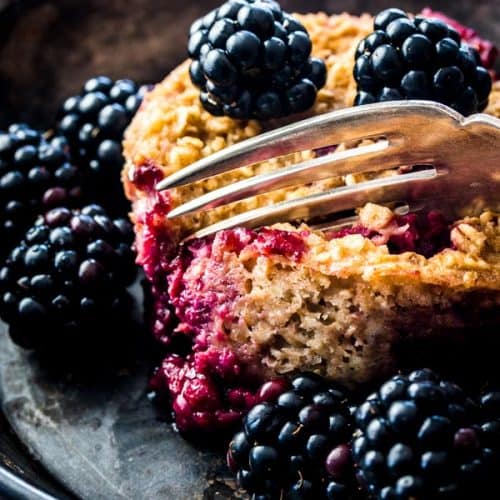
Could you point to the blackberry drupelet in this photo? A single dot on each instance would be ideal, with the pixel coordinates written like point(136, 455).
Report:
point(252, 60)
point(489, 436)
point(94, 122)
point(295, 444)
point(64, 285)
point(419, 58)
point(36, 174)
point(418, 437)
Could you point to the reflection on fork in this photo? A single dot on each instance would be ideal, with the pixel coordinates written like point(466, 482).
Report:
point(461, 156)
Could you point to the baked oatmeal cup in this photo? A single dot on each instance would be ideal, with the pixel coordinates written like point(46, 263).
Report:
point(256, 304)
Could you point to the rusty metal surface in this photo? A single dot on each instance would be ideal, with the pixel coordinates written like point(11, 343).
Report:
point(102, 440)
point(98, 432)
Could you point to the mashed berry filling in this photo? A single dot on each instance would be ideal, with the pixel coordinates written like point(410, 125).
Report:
point(212, 388)
point(425, 233)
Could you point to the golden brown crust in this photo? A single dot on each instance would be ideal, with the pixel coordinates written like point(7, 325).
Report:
point(493, 107)
point(472, 262)
point(172, 130)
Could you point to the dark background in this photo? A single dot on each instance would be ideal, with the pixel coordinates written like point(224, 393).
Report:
point(48, 48)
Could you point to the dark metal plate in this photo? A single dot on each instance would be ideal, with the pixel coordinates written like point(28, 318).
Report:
point(99, 434)
point(101, 439)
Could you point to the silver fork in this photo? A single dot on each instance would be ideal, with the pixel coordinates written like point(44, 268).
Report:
point(461, 158)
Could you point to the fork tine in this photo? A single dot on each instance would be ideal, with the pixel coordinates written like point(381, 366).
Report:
point(389, 189)
point(346, 125)
point(372, 157)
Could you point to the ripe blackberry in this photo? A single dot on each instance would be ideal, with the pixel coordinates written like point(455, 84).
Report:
point(36, 174)
point(93, 122)
point(295, 444)
point(419, 58)
point(252, 60)
point(418, 438)
point(65, 283)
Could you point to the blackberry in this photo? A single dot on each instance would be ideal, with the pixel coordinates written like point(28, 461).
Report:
point(252, 60)
point(65, 284)
point(295, 444)
point(419, 58)
point(418, 437)
point(93, 123)
point(36, 174)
